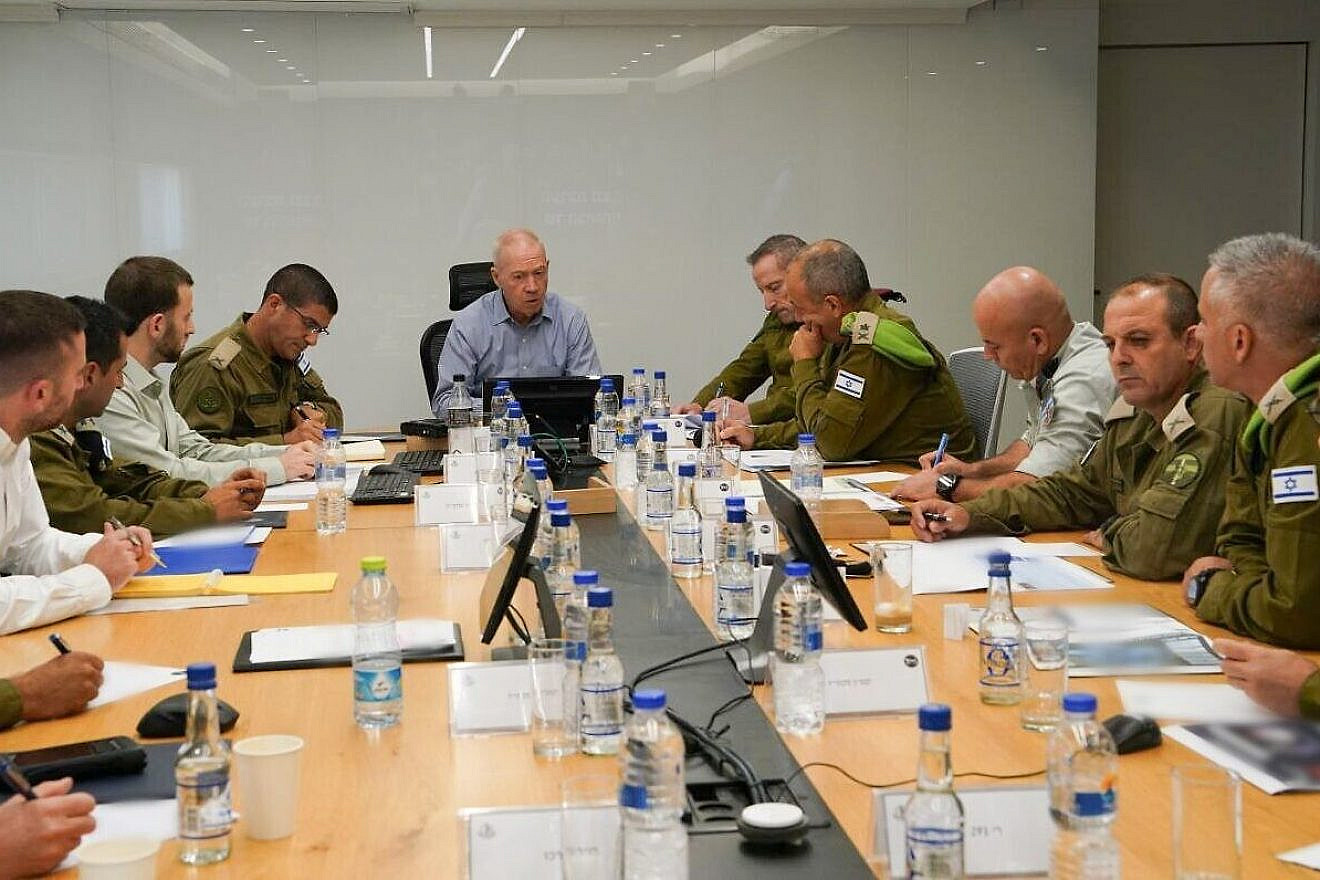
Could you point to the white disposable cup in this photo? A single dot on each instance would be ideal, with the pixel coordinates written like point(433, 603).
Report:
point(118, 858)
point(268, 782)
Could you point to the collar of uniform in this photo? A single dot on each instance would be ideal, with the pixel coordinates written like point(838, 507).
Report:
point(1180, 419)
point(140, 379)
point(8, 448)
point(1120, 410)
point(499, 309)
point(64, 434)
point(1297, 382)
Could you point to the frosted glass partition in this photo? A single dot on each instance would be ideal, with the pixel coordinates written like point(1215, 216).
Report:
point(942, 153)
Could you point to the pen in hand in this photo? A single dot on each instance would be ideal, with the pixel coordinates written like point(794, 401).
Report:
point(114, 521)
point(932, 516)
point(59, 643)
point(940, 450)
point(15, 778)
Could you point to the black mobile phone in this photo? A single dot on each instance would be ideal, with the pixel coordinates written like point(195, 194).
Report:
point(113, 756)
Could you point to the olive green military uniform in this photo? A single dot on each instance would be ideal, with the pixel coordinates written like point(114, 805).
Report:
point(884, 394)
point(765, 357)
point(83, 490)
point(1310, 698)
point(231, 392)
point(11, 704)
point(1155, 490)
point(1271, 526)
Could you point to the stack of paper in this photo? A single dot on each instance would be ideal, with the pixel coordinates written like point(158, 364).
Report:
point(292, 643)
point(365, 450)
point(778, 460)
point(959, 566)
point(1275, 755)
point(214, 536)
point(1189, 702)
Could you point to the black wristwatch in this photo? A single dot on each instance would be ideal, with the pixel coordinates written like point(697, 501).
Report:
point(1198, 582)
point(946, 485)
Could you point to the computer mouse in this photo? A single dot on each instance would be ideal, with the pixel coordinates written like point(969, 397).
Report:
point(168, 717)
point(388, 469)
point(1133, 733)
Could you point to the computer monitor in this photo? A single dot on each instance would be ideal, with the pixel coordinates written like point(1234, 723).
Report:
point(560, 405)
point(806, 545)
point(510, 567)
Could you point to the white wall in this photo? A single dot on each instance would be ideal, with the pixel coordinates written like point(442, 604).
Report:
point(172, 133)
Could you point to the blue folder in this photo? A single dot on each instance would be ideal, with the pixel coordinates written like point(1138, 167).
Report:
point(229, 558)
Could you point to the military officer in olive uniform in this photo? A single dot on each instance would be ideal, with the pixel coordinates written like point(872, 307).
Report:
point(1151, 488)
point(865, 383)
point(251, 382)
point(766, 356)
point(84, 487)
point(1260, 308)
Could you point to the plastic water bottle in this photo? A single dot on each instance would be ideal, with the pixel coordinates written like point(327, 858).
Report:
point(560, 505)
point(659, 395)
point(652, 793)
point(625, 462)
point(605, 436)
point(494, 500)
point(1001, 634)
point(331, 472)
point(933, 815)
point(515, 425)
point(645, 451)
point(201, 775)
point(515, 464)
point(659, 497)
point(795, 669)
point(559, 571)
point(1082, 768)
point(685, 556)
point(640, 390)
point(543, 492)
point(576, 624)
point(459, 413)
point(735, 610)
point(808, 470)
point(709, 458)
point(627, 421)
point(660, 443)
point(377, 659)
point(602, 679)
point(499, 407)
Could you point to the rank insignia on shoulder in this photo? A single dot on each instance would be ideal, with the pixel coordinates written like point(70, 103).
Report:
point(224, 353)
point(863, 329)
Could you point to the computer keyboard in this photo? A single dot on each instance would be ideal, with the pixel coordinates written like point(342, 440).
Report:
point(388, 488)
point(427, 462)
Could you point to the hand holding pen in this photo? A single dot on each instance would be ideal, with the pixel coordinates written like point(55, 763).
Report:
point(42, 824)
point(141, 539)
point(61, 686)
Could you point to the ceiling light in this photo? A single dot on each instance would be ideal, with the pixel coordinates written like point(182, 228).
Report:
point(634, 61)
point(614, 73)
point(982, 63)
point(932, 73)
point(508, 47)
point(290, 67)
point(659, 45)
point(247, 30)
point(281, 60)
point(646, 53)
point(258, 41)
point(1042, 48)
point(426, 48)
point(675, 36)
point(272, 51)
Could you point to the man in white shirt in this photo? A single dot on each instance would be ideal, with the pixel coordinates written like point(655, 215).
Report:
point(156, 296)
point(48, 574)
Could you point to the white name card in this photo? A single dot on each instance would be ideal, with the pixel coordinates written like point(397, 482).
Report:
point(874, 682)
point(534, 842)
point(765, 531)
point(493, 697)
point(460, 467)
point(442, 503)
point(465, 546)
point(675, 428)
point(1006, 831)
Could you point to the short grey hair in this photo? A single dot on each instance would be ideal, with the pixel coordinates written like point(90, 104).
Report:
point(831, 267)
point(509, 235)
point(1274, 281)
point(784, 246)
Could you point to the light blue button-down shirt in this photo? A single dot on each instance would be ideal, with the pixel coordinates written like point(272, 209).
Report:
point(485, 342)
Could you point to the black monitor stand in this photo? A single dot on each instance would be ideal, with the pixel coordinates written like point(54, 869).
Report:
point(752, 660)
point(545, 601)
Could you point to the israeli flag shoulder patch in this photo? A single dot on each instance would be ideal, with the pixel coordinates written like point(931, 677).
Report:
point(1292, 484)
point(850, 384)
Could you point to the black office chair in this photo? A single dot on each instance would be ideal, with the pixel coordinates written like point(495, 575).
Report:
point(433, 340)
point(469, 282)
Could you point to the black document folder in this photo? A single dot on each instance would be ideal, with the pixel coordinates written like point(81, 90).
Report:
point(243, 658)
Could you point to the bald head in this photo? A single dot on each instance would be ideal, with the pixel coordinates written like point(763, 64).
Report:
point(515, 241)
point(1023, 320)
point(522, 273)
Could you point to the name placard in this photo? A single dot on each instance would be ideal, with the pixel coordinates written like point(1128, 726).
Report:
point(537, 841)
point(494, 697)
point(442, 503)
point(465, 546)
point(1006, 831)
point(675, 428)
point(874, 682)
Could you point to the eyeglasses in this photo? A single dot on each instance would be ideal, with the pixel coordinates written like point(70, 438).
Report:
point(308, 324)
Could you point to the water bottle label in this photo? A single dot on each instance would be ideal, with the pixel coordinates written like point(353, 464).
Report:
point(575, 652)
point(377, 685)
point(812, 638)
point(934, 852)
point(633, 796)
point(1094, 803)
point(204, 806)
point(999, 662)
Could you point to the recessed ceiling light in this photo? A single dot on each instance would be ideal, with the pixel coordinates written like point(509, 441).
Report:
point(634, 61)
point(982, 63)
point(247, 30)
point(272, 51)
point(290, 67)
point(614, 73)
point(675, 36)
point(258, 41)
point(646, 53)
point(1042, 48)
point(623, 67)
point(932, 73)
point(282, 60)
point(659, 45)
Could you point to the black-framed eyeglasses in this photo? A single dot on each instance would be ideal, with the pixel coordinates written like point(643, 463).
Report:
point(310, 325)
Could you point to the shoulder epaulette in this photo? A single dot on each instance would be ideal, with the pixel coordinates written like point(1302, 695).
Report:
point(1119, 411)
point(224, 353)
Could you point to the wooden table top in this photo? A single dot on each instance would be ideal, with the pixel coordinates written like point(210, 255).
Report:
point(386, 804)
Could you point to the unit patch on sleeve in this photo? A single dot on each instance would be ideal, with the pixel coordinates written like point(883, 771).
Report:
point(849, 384)
point(209, 401)
point(1293, 484)
point(1182, 471)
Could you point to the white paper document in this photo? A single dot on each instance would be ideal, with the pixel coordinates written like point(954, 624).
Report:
point(332, 641)
point(128, 679)
point(1306, 856)
point(960, 565)
point(1275, 755)
point(171, 603)
point(364, 450)
point(303, 490)
point(213, 536)
point(879, 477)
point(155, 819)
point(1176, 701)
point(778, 460)
point(276, 506)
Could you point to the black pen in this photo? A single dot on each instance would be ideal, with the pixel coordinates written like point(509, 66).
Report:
point(932, 516)
point(59, 643)
point(17, 781)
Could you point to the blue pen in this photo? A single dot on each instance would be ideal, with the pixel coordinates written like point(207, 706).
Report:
point(939, 450)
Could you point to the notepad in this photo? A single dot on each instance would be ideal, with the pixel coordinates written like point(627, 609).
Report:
point(229, 558)
point(195, 585)
point(365, 450)
point(285, 643)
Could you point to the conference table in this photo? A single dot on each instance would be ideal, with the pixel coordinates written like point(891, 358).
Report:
point(387, 803)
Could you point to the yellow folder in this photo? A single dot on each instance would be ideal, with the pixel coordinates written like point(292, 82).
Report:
point(196, 584)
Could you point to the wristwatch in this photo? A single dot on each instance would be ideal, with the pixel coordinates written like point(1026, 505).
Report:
point(946, 485)
point(1198, 582)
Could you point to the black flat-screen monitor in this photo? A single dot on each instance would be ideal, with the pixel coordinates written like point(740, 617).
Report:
point(512, 565)
point(563, 406)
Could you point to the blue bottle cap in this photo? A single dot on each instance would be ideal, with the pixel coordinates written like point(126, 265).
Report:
point(806, 438)
point(539, 470)
point(201, 676)
point(934, 716)
point(515, 408)
point(330, 433)
point(533, 462)
point(659, 437)
point(607, 384)
point(797, 570)
point(600, 597)
point(524, 441)
point(557, 504)
point(639, 371)
point(999, 557)
point(585, 578)
point(1079, 703)
point(650, 425)
point(659, 374)
point(708, 415)
point(648, 699)
point(630, 401)
point(502, 385)
point(735, 514)
point(687, 468)
point(560, 518)
point(629, 440)
point(504, 441)
point(735, 501)
point(660, 466)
